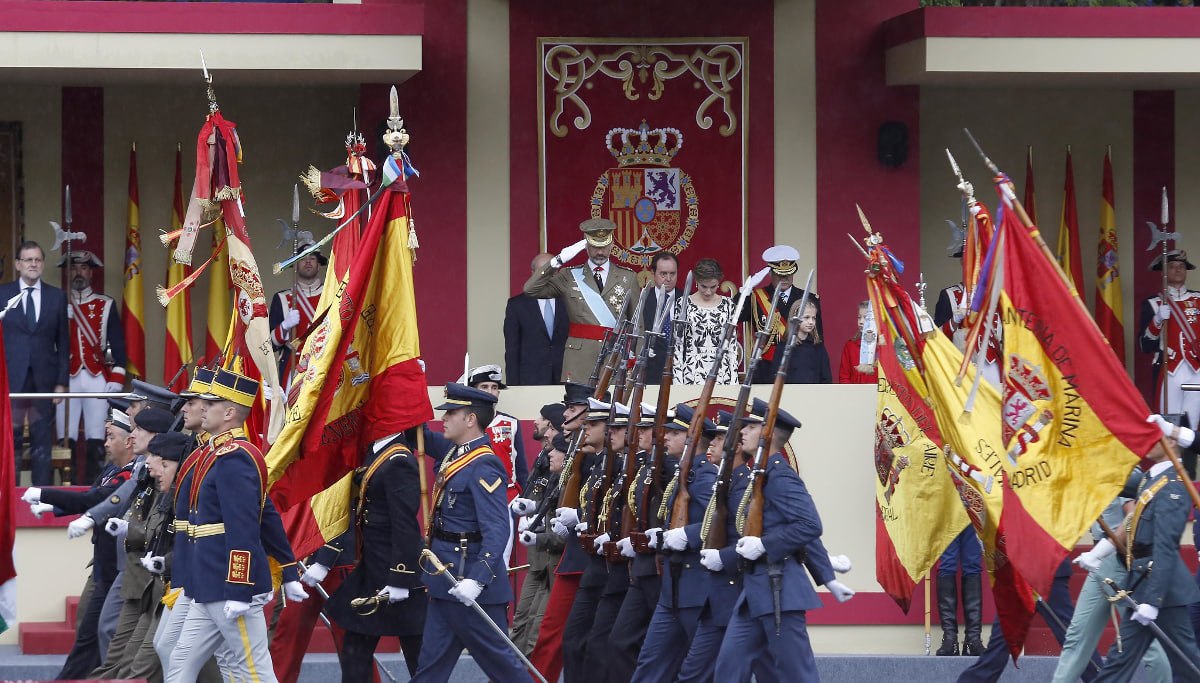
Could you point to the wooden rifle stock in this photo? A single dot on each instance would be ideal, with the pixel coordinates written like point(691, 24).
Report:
point(716, 516)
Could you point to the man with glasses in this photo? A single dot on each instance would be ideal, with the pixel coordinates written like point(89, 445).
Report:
point(666, 272)
point(36, 352)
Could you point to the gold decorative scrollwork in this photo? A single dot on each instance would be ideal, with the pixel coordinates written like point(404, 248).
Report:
point(639, 66)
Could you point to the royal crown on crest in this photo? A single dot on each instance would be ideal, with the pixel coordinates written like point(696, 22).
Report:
point(1028, 378)
point(667, 143)
point(890, 429)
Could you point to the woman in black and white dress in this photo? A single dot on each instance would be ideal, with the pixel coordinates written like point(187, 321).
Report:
point(707, 313)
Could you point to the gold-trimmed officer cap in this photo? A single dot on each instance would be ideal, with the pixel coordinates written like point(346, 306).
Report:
point(462, 396)
point(119, 419)
point(648, 414)
point(228, 385)
point(598, 231)
point(621, 415)
point(201, 383)
point(597, 411)
point(782, 259)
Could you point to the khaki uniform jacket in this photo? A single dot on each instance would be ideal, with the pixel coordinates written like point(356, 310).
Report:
point(621, 286)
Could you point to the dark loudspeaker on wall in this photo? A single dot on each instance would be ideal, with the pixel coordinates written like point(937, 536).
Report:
point(893, 144)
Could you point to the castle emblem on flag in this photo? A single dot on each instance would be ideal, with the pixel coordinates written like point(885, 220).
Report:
point(653, 204)
point(1024, 387)
point(890, 434)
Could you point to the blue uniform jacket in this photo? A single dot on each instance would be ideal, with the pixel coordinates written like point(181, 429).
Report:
point(574, 560)
point(693, 581)
point(181, 562)
point(645, 564)
point(1161, 519)
point(790, 525)
point(474, 500)
point(226, 552)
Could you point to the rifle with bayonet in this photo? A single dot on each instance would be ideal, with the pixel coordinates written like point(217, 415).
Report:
point(716, 515)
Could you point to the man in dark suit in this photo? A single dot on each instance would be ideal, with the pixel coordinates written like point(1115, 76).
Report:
point(783, 261)
point(666, 273)
point(36, 352)
point(535, 334)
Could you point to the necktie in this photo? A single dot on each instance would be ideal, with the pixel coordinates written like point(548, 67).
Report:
point(597, 273)
point(548, 317)
point(30, 311)
point(666, 326)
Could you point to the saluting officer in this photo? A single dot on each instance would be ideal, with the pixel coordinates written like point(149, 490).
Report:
point(784, 262)
point(469, 530)
point(597, 294)
point(385, 513)
point(230, 578)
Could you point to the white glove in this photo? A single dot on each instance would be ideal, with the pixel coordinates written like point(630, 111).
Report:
point(315, 574)
point(522, 506)
point(115, 526)
point(1145, 614)
point(528, 538)
point(675, 539)
point(1091, 559)
point(294, 591)
point(38, 508)
point(711, 559)
point(290, 319)
point(1163, 313)
point(155, 564)
point(569, 253)
point(523, 523)
point(751, 547)
point(267, 393)
point(235, 609)
point(581, 528)
point(114, 388)
point(840, 590)
point(840, 563)
point(626, 547)
point(80, 526)
point(654, 537)
point(32, 494)
point(1186, 436)
point(599, 542)
point(394, 593)
point(568, 517)
point(467, 590)
point(558, 528)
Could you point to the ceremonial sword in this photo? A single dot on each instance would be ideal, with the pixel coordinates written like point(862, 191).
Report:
point(1119, 594)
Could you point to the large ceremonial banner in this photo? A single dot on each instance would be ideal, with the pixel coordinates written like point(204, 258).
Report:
point(651, 134)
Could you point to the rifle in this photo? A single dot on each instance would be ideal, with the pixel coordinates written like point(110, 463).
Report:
point(716, 515)
point(750, 511)
point(679, 510)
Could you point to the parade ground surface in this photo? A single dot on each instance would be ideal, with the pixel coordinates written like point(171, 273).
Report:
point(321, 668)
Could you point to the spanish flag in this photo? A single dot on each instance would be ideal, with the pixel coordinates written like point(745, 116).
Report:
point(358, 378)
point(1068, 231)
point(135, 329)
point(178, 351)
point(1074, 425)
point(1108, 274)
point(220, 297)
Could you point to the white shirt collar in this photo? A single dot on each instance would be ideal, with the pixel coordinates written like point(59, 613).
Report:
point(37, 286)
point(1160, 467)
point(603, 268)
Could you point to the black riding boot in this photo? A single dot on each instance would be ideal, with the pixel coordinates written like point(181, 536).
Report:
point(972, 598)
point(947, 597)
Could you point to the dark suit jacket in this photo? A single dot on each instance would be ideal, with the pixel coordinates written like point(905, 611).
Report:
point(655, 363)
point(43, 351)
point(530, 355)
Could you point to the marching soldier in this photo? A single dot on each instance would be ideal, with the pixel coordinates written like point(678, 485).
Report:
point(468, 532)
point(292, 310)
point(1161, 586)
point(385, 515)
point(596, 294)
point(784, 262)
point(230, 578)
point(97, 361)
point(685, 582)
point(504, 432)
point(768, 624)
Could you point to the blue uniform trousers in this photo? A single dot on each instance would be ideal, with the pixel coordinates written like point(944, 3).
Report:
point(575, 643)
point(1175, 622)
point(963, 551)
point(749, 641)
point(667, 641)
point(85, 653)
point(449, 627)
point(629, 629)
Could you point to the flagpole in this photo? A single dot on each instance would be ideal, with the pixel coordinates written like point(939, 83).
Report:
point(928, 618)
point(1163, 334)
point(1007, 187)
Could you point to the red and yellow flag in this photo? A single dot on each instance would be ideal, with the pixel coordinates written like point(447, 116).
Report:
point(1068, 232)
point(1108, 274)
point(1074, 425)
point(178, 351)
point(220, 297)
point(135, 330)
point(355, 383)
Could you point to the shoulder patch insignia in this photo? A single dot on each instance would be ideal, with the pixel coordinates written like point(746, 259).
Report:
point(491, 488)
point(227, 448)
